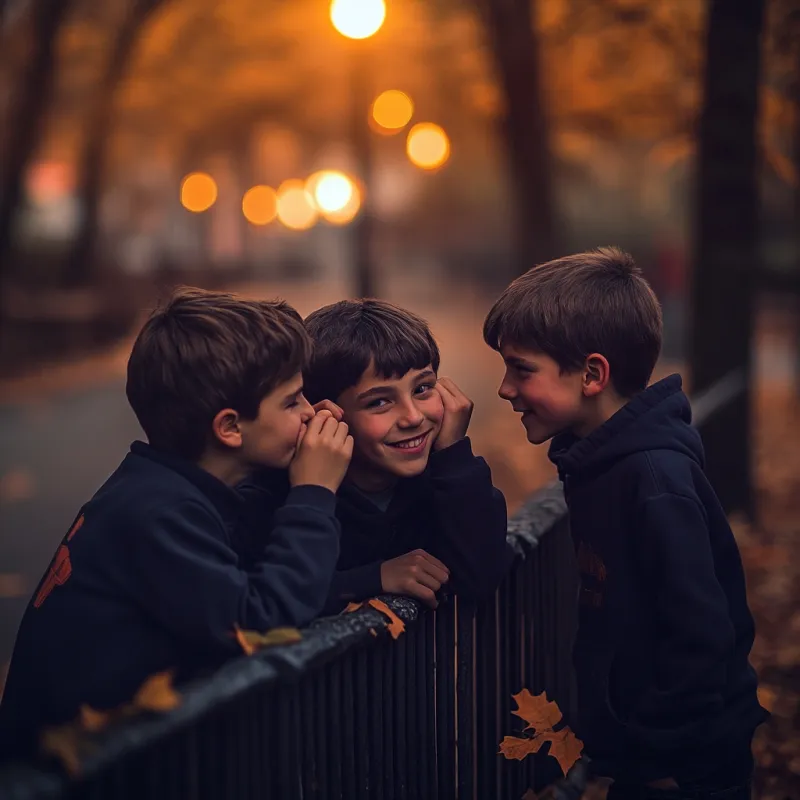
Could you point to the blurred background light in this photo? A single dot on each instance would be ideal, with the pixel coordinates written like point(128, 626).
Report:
point(296, 209)
point(428, 146)
point(358, 19)
point(260, 205)
point(198, 192)
point(392, 110)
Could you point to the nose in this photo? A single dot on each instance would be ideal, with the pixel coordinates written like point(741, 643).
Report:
point(307, 410)
point(507, 391)
point(411, 416)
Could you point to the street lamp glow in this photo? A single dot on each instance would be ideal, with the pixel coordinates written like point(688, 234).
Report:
point(295, 206)
point(392, 110)
point(332, 190)
point(427, 145)
point(260, 205)
point(198, 192)
point(358, 19)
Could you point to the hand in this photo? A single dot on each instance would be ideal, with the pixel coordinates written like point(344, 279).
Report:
point(457, 413)
point(417, 574)
point(324, 449)
point(328, 405)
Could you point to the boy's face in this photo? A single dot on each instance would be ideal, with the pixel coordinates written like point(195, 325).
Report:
point(550, 401)
point(394, 423)
point(270, 440)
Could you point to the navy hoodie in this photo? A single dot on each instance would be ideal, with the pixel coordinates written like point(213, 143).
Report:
point(149, 579)
point(451, 510)
point(665, 688)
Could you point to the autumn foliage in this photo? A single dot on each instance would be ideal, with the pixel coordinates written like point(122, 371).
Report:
point(396, 625)
point(542, 716)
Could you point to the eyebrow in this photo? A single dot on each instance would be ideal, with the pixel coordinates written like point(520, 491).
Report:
point(293, 394)
point(516, 361)
point(428, 373)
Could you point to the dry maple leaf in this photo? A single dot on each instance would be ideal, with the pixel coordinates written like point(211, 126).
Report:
point(515, 748)
point(251, 641)
point(352, 607)
point(93, 720)
point(396, 625)
point(536, 710)
point(565, 747)
point(65, 743)
point(157, 694)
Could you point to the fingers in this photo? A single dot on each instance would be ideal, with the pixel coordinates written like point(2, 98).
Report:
point(450, 391)
point(425, 594)
point(340, 435)
point(433, 560)
point(331, 407)
point(316, 422)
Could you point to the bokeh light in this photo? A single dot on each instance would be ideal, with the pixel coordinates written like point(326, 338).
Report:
point(392, 110)
point(427, 145)
point(260, 205)
point(198, 192)
point(358, 19)
point(336, 196)
point(296, 209)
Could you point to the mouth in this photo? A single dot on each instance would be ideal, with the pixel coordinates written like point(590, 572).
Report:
point(411, 446)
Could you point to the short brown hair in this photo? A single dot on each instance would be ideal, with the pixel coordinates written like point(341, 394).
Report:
point(352, 334)
point(204, 351)
point(595, 302)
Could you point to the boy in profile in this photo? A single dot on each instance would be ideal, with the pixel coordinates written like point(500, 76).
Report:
point(667, 700)
point(417, 509)
point(148, 577)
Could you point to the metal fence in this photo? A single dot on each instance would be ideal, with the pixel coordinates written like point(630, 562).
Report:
point(350, 713)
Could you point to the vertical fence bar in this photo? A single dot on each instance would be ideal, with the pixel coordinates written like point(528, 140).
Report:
point(401, 701)
point(389, 729)
point(331, 680)
point(364, 785)
point(348, 738)
point(308, 754)
point(376, 776)
point(487, 699)
point(465, 699)
point(445, 688)
point(415, 745)
point(321, 733)
point(426, 678)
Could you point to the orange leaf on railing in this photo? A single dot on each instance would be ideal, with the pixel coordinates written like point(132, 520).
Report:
point(157, 694)
point(352, 607)
point(252, 641)
point(542, 715)
point(396, 625)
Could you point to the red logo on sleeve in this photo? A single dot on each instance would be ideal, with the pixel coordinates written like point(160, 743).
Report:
point(60, 570)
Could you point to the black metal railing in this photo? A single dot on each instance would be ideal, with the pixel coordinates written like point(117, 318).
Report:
point(350, 713)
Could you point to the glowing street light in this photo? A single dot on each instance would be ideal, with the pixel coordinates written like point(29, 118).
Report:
point(335, 195)
point(296, 208)
point(198, 192)
point(428, 146)
point(358, 19)
point(392, 110)
point(260, 205)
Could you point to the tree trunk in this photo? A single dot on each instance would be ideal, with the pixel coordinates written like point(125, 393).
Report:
point(515, 45)
point(27, 117)
point(726, 248)
point(79, 264)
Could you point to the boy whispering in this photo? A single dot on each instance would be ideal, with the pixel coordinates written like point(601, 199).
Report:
point(417, 508)
point(148, 578)
point(667, 700)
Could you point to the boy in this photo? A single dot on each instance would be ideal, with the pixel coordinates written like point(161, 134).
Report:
point(666, 697)
point(147, 578)
point(417, 508)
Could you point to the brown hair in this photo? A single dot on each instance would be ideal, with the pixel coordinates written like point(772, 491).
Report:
point(204, 351)
point(595, 302)
point(352, 334)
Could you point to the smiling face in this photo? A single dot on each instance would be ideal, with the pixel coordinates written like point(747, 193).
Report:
point(549, 399)
point(394, 422)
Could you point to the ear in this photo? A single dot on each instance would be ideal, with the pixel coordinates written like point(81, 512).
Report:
point(596, 375)
point(226, 429)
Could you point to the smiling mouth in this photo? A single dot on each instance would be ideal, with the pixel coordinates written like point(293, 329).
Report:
point(410, 444)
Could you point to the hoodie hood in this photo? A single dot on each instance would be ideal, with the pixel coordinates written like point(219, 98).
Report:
point(656, 419)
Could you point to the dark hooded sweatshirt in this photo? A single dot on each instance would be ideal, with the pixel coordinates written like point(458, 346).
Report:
point(665, 688)
point(151, 580)
point(451, 510)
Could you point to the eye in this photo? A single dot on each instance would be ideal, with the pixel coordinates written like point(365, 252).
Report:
point(376, 403)
point(424, 388)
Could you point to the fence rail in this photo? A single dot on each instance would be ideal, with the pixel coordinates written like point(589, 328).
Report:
point(350, 713)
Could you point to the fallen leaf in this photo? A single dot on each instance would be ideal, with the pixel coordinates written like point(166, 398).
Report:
point(65, 743)
point(516, 748)
point(93, 720)
point(157, 694)
point(252, 641)
point(565, 747)
point(352, 607)
point(536, 710)
point(396, 625)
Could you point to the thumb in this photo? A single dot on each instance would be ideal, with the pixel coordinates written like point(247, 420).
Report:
point(301, 435)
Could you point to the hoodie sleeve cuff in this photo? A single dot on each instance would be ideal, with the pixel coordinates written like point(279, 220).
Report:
point(357, 584)
point(311, 495)
point(458, 453)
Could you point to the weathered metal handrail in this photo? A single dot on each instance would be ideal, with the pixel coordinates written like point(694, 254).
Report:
point(349, 713)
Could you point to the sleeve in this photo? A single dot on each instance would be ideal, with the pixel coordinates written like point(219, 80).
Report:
point(353, 585)
point(695, 635)
point(187, 576)
point(472, 520)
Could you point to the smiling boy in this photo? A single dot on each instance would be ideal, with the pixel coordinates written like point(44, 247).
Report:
point(418, 510)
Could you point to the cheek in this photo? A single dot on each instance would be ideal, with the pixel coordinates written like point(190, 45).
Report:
point(433, 409)
point(369, 430)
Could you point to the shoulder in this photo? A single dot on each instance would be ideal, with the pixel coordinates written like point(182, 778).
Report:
point(663, 472)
